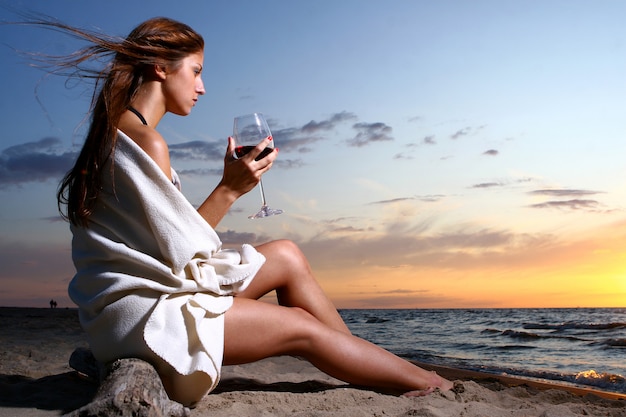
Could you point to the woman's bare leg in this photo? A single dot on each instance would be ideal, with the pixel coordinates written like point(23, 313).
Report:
point(288, 272)
point(255, 330)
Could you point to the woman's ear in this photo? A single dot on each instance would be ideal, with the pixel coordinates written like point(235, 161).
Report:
point(160, 71)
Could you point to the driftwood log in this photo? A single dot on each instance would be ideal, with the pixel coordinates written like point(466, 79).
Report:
point(128, 387)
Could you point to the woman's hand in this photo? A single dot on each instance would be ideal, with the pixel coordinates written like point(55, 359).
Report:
point(240, 176)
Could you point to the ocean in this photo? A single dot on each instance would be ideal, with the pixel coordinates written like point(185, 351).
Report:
point(578, 346)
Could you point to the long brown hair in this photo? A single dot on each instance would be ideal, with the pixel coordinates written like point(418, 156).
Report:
point(158, 41)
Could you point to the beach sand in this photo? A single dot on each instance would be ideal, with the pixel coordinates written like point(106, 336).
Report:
point(36, 380)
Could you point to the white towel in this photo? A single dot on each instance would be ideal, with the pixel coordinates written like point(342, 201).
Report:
point(150, 268)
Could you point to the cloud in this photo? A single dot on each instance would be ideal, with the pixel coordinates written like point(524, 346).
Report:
point(431, 198)
point(425, 198)
point(292, 139)
point(233, 238)
point(403, 242)
point(460, 248)
point(370, 132)
point(197, 151)
point(466, 131)
point(200, 172)
point(47, 158)
point(411, 147)
point(571, 204)
point(329, 124)
point(302, 139)
point(563, 192)
point(491, 152)
point(488, 185)
point(460, 133)
point(502, 183)
point(395, 200)
point(400, 242)
point(575, 204)
point(34, 161)
point(289, 163)
point(338, 226)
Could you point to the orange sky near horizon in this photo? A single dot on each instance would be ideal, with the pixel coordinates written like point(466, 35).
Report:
point(589, 272)
point(586, 270)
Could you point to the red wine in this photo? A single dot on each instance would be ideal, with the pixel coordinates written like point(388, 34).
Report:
point(242, 150)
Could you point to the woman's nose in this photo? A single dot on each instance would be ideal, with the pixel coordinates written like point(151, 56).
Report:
point(200, 87)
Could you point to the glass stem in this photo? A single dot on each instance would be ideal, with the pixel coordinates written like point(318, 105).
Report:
point(262, 192)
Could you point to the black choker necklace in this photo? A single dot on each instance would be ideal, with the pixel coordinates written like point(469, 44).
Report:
point(134, 110)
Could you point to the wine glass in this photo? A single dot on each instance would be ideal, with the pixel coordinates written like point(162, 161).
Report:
point(248, 131)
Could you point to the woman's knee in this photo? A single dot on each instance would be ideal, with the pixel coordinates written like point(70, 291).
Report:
point(286, 250)
point(285, 255)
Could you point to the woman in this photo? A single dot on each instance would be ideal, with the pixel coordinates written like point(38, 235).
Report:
point(152, 280)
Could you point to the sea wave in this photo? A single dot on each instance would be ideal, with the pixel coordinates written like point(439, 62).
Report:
point(612, 343)
point(574, 326)
point(598, 380)
point(521, 335)
point(515, 347)
point(516, 334)
point(601, 380)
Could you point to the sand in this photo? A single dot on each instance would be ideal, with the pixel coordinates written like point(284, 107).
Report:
point(36, 380)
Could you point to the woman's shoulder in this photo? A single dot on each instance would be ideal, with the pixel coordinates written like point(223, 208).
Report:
point(151, 142)
point(148, 139)
point(142, 134)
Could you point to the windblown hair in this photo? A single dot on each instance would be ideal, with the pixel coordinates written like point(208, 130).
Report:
point(158, 41)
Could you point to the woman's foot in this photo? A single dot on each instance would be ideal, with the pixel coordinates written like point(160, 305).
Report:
point(436, 382)
point(419, 393)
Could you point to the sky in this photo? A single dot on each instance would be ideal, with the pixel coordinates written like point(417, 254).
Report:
point(448, 154)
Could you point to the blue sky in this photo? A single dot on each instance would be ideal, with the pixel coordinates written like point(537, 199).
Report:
point(427, 148)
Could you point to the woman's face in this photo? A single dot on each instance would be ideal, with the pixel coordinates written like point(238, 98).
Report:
point(183, 85)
